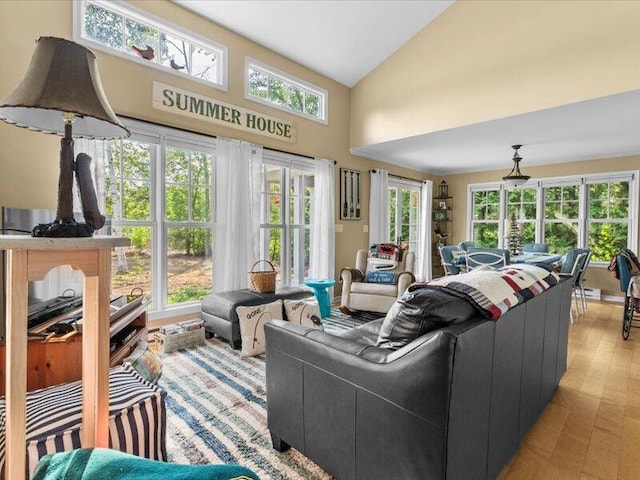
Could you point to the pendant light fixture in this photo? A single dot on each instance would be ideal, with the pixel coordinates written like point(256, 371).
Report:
point(515, 177)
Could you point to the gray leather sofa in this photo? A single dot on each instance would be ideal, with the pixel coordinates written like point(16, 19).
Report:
point(452, 404)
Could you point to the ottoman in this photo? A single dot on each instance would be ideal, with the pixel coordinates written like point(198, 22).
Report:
point(218, 310)
point(137, 418)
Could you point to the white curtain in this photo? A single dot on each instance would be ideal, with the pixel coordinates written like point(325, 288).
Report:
point(379, 207)
point(423, 270)
point(322, 261)
point(238, 170)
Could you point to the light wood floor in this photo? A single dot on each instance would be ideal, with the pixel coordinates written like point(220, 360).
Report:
point(591, 428)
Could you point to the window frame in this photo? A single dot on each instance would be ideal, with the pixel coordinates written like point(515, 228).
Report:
point(399, 184)
point(163, 26)
point(159, 137)
point(583, 182)
point(290, 79)
point(286, 162)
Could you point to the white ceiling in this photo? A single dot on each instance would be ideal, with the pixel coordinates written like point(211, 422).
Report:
point(345, 40)
point(606, 127)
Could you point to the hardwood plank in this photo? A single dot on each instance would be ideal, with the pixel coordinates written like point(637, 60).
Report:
point(591, 428)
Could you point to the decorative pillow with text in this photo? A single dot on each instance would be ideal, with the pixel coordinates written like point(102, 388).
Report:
point(300, 312)
point(252, 320)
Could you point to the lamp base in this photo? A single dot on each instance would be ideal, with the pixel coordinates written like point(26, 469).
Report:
point(58, 229)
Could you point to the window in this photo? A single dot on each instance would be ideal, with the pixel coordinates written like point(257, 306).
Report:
point(404, 214)
point(521, 205)
point(591, 211)
point(485, 225)
point(608, 215)
point(159, 190)
point(122, 30)
point(285, 225)
point(277, 89)
point(561, 217)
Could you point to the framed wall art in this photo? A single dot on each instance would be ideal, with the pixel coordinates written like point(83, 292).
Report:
point(350, 187)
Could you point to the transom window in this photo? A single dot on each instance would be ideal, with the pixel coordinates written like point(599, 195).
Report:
point(126, 31)
point(591, 211)
point(277, 89)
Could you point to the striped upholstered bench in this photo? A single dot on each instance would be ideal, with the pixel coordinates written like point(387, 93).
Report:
point(137, 418)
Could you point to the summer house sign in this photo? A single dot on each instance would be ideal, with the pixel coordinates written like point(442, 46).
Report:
point(182, 102)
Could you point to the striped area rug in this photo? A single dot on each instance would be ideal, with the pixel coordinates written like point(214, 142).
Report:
point(216, 410)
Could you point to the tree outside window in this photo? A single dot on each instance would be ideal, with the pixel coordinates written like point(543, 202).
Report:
point(486, 218)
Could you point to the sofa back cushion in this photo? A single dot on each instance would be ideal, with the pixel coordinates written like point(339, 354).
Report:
point(419, 312)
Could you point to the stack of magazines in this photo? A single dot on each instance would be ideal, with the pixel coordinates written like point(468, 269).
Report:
point(180, 335)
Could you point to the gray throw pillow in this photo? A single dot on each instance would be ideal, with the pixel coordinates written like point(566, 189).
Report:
point(420, 312)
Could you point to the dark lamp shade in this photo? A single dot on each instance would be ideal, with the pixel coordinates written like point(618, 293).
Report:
point(62, 77)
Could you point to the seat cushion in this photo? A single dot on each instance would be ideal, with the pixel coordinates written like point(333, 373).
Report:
point(419, 312)
point(374, 289)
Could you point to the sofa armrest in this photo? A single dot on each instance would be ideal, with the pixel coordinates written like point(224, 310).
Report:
point(399, 377)
point(404, 280)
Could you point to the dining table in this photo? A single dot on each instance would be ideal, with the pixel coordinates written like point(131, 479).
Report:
point(535, 257)
point(524, 257)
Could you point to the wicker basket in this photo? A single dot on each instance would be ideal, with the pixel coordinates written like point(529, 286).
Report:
point(262, 282)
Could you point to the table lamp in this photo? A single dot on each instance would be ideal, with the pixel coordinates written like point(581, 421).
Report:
point(61, 93)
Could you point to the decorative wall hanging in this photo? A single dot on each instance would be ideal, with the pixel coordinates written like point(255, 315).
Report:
point(183, 102)
point(350, 194)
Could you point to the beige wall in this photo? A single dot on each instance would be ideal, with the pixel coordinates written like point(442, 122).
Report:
point(483, 60)
point(597, 277)
point(29, 160)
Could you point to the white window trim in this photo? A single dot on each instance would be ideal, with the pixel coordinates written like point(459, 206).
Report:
point(287, 161)
point(159, 136)
point(632, 176)
point(399, 184)
point(141, 16)
point(286, 77)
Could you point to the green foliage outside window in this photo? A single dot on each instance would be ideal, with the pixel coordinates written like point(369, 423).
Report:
point(122, 33)
point(285, 94)
point(607, 210)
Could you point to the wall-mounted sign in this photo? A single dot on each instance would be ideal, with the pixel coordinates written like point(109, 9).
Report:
point(182, 102)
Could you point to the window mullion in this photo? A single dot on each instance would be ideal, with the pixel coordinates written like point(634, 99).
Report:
point(540, 205)
point(583, 221)
point(159, 233)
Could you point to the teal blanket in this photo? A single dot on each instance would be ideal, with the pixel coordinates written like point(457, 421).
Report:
point(101, 463)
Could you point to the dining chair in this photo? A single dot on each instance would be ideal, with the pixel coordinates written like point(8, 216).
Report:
point(535, 247)
point(578, 285)
point(446, 258)
point(491, 257)
point(574, 261)
point(466, 245)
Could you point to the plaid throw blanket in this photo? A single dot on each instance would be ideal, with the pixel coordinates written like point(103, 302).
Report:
point(493, 292)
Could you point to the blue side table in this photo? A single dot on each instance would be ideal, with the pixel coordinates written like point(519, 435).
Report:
point(320, 291)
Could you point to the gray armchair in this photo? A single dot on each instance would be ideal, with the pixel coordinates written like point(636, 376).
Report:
point(357, 294)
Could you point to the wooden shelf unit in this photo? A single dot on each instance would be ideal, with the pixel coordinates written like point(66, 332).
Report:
point(442, 222)
point(52, 363)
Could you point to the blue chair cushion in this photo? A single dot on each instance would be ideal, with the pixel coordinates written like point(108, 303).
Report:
point(377, 276)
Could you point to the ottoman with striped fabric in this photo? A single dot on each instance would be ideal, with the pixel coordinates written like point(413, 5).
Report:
point(137, 418)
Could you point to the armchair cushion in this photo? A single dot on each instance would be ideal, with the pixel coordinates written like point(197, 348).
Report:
point(376, 276)
point(419, 312)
